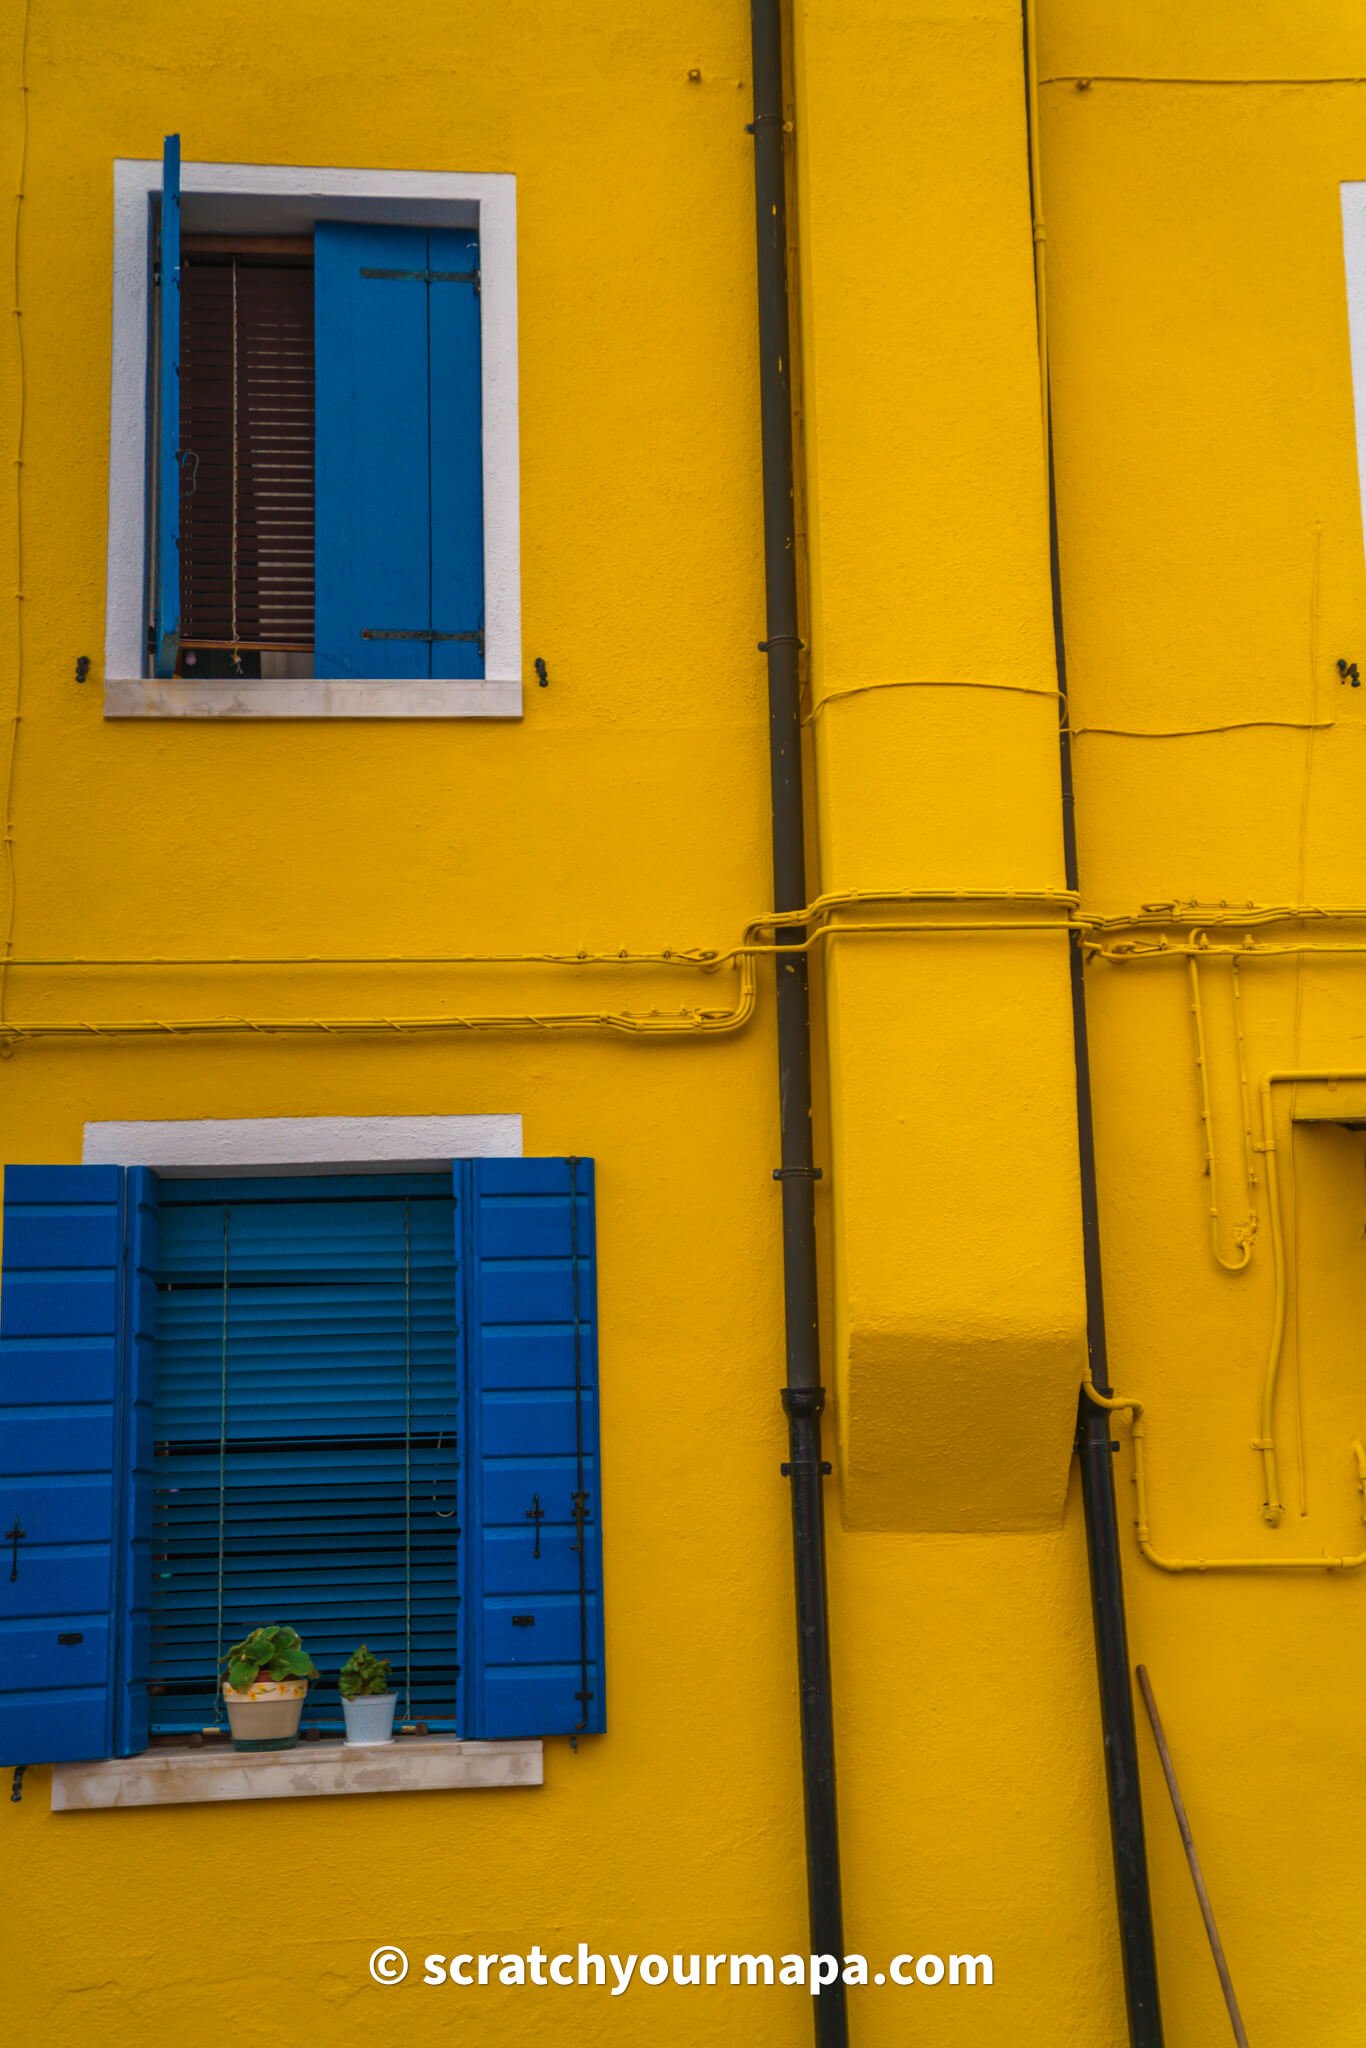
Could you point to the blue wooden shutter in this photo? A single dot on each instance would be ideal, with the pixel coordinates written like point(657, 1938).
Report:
point(533, 1660)
point(398, 461)
point(457, 479)
point(79, 1242)
point(166, 601)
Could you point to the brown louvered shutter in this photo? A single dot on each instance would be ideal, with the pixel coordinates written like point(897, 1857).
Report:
point(246, 483)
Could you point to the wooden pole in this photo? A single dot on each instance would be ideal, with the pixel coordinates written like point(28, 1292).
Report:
point(1197, 1876)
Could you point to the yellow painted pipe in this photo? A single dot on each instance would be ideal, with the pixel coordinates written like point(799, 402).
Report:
point(1243, 1235)
point(1124, 1404)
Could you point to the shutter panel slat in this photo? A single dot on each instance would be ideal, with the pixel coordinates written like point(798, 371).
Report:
point(74, 1448)
point(533, 1613)
point(315, 1465)
point(142, 1212)
point(457, 482)
point(166, 598)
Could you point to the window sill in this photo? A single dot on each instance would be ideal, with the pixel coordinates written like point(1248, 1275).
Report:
point(182, 1777)
point(348, 698)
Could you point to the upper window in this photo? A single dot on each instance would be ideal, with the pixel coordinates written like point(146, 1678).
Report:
point(324, 521)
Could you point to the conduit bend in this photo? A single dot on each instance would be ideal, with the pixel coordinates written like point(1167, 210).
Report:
point(809, 924)
point(1125, 1404)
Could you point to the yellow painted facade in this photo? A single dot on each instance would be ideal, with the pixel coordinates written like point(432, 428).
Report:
point(1212, 576)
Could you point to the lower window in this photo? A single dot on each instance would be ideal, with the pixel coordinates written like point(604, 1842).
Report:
point(363, 1406)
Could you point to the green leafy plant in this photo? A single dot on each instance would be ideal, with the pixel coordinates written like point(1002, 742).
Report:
point(273, 1652)
point(362, 1676)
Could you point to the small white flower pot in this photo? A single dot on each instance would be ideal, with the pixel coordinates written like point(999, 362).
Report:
point(370, 1719)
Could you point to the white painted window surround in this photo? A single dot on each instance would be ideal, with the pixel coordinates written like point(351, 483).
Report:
point(217, 1146)
point(210, 1146)
point(289, 199)
point(1354, 252)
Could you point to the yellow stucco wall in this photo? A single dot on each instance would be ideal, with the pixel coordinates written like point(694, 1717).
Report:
point(1213, 573)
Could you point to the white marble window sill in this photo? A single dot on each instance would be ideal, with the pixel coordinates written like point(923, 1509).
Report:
point(491, 697)
point(183, 1777)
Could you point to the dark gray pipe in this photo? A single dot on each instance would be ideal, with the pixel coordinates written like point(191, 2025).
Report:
point(1095, 1450)
point(1095, 1443)
point(803, 1396)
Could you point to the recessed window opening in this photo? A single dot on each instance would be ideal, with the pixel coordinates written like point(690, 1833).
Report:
point(246, 456)
point(307, 1436)
point(318, 463)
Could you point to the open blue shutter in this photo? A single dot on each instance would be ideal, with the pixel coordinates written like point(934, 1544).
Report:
point(136, 1459)
point(533, 1661)
point(74, 1451)
point(398, 543)
point(166, 602)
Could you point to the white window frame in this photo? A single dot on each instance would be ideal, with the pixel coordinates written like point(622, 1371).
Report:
point(289, 199)
point(1354, 255)
point(207, 1147)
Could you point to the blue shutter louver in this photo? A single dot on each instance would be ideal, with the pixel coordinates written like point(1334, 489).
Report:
point(398, 463)
point(78, 1242)
point(166, 598)
point(533, 1577)
point(306, 1433)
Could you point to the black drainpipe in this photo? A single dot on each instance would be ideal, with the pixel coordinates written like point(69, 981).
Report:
point(1095, 1449)
point(1096, 1445)
point(803, 1395)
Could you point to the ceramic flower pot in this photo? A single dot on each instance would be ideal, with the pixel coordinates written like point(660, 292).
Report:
point(266, 1715)
point(370, 1718)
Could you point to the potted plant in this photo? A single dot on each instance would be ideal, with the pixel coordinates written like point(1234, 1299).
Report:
point(367, 1702)
point(265, 1687)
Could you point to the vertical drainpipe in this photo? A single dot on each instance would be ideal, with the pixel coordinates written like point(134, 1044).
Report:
point(803, 1395)
point(1095, 1446)
point(1095, 1451)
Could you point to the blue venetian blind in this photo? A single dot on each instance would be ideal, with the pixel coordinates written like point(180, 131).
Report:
point(305, 1427)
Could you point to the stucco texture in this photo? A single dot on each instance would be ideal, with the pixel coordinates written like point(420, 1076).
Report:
point(1212, 573)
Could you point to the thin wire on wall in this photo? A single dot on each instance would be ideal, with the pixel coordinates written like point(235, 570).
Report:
point(17, 700)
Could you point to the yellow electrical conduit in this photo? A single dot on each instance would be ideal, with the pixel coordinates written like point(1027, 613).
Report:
point(1193, 950)
point(1197, 919)
point(1244, 1233)
point(824, 917)
point(1123, 1404)
point(1061, 904)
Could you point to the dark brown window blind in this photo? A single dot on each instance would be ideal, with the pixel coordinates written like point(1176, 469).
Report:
point(246, 478)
